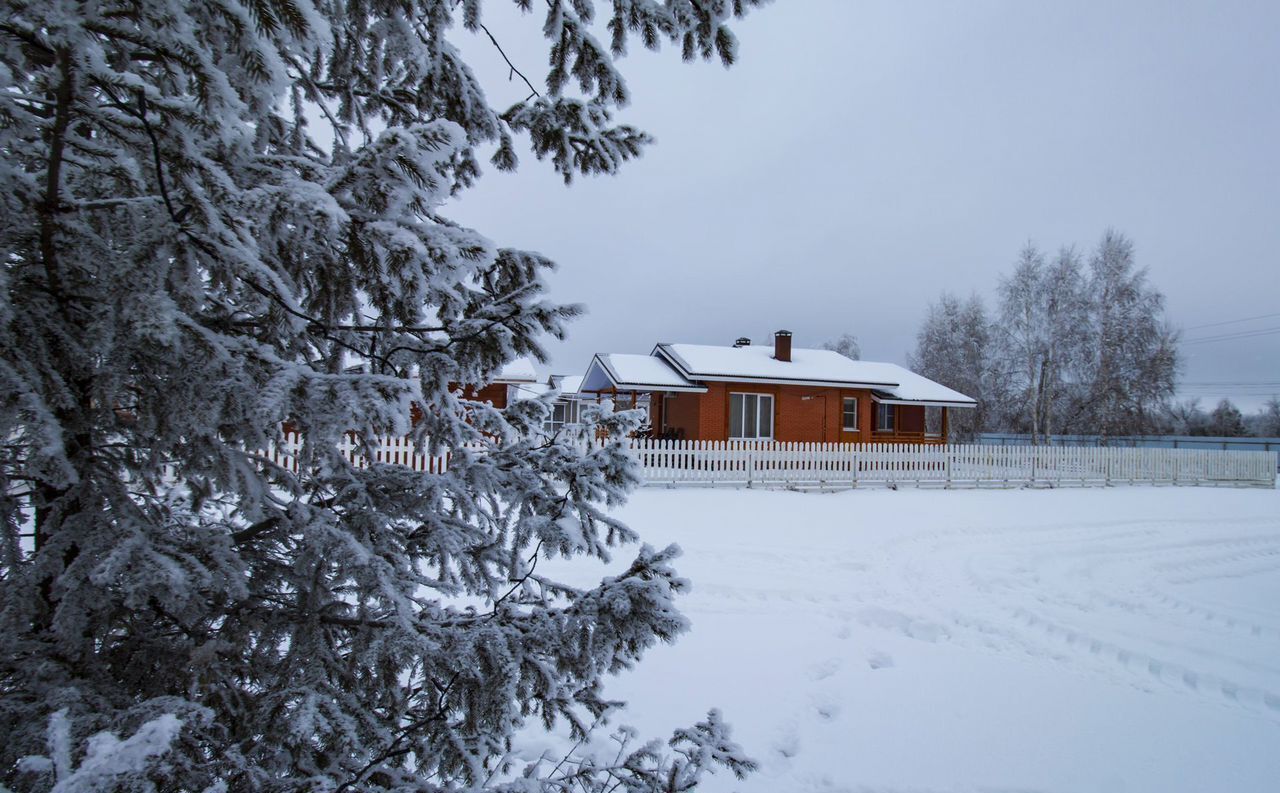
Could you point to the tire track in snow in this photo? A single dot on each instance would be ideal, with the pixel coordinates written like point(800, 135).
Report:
point(1171, 673)
point(1072, 567)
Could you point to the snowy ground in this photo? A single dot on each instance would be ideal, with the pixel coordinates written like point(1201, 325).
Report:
point(1125, 639)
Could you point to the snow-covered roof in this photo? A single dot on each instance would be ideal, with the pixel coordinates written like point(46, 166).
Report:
point(756, 363)
point(521, 391)
point(629, 372)
point(682, 367)
point(519, 370)
point(915, 389)
point(570, 384)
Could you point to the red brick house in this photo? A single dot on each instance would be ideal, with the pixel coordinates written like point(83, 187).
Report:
point(501, 390)
point(775, 392)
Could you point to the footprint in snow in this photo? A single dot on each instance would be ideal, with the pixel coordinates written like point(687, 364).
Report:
point(824, 669)
point(827, 706)
point(879, 660)
point(787, 744)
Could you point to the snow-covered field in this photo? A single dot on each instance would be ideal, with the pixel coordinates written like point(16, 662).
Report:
point(1125, 639)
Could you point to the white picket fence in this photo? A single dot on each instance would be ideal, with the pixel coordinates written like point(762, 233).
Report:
point(390, 449)
point(844, 465)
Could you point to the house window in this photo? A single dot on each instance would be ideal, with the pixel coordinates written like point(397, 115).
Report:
point(750, 416)
point(850, 414)
point(933, 421)
point(562, 413)
point(667, 400)
point(884, 417)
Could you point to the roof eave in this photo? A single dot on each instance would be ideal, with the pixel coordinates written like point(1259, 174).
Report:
point(939, 403)
point(689, 389)
point(718, 378)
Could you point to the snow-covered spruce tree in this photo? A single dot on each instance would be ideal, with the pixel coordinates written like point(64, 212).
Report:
point(190, 266)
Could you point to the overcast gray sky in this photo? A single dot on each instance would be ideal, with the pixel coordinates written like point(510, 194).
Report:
point(864, 156)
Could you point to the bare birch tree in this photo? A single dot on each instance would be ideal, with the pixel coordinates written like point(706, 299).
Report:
point(847, 345)
point(1040, 338)
point(1268, 423)
point(953, 347)
point(1226, 421)
point(1133, 357)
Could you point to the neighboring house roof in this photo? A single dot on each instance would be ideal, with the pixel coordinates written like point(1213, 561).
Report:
point(570, 384)
point(567, 385)
point(519, 370)
point(528, 391)
point(757, 364)
point(629, 372)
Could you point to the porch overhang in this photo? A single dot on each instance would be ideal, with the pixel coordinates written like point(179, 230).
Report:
point(890, 399)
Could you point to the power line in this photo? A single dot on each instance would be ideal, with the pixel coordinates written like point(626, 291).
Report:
point(1232, 321)
point(1229, 392)
point(1231, 382)
point(1244, 334)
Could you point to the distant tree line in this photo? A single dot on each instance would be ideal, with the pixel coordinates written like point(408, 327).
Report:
point(1225, 421)
point(1072, 347)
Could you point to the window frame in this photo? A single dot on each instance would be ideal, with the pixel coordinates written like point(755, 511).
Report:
point(939, 412)
point(886, 409)
point(760, 412)
point(667, 399)
point(844, 414)
point(568, 409)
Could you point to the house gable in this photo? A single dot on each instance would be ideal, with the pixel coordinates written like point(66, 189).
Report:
point(627, 372)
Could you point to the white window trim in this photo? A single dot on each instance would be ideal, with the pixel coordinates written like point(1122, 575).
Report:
point(844, 427)
point(760, 396)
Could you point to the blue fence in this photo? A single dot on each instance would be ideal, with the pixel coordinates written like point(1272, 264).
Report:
point(1140, 441)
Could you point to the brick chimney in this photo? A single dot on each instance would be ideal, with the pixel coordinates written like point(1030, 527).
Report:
point(782, 345)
